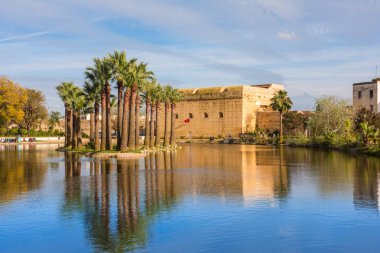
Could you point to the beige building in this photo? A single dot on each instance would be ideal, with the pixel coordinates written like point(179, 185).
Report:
point(223, 111)
point(367, 95)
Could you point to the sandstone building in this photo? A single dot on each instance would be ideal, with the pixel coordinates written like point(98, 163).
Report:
point(224, 111)
point(367, 95)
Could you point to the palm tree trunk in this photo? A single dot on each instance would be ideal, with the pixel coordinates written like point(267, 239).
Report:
point(166, 126)
point(281, 138)
point(97, 142)
point(92, 126)
point(75, 132)
point(108, 117)
point(132, 119)
point(151, 137)
point(172, 126)
point(103, 101)
point(125, 126)
point(119, 112)
point(66, 125)
point(147, 123)
point(79, 132)
point(158, 127)
point(137, 129)
point(69, 127)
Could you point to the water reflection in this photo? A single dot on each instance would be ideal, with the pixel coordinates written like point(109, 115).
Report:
point(22, 169)
point(122, 205)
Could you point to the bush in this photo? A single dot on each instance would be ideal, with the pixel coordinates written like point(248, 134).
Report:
point(3, 131)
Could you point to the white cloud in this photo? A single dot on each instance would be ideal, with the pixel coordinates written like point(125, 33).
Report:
point(289, 36)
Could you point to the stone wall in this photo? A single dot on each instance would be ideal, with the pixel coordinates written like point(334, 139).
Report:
point(365, 100)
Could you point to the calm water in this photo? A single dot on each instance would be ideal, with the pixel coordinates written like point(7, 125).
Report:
point(202, 198)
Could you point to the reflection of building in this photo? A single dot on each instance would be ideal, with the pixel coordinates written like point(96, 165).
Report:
point(222, 111)
point(367, 95)
point(233, 170)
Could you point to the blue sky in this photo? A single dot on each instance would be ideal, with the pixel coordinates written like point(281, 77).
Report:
point(313, 47)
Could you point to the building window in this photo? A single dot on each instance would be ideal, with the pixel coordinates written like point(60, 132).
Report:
point(176, 115)
point(370, 93)
point(359, 94)
point(371, 108)
point(190, 115)
point(220, 115)
point(205, 115)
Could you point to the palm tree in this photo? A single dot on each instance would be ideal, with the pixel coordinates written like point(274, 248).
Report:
point(368, 132)
point(78, 104)
point(63, 91)
point(166, 100)
point(174, 96)
point(119, 62)
point(147, 97)
point(95, 75)
point(128, 83)
point(158, 99)
point(106, 72)
point(93, 90)
point(152, 118)
point(139, 75)
point(282, 103)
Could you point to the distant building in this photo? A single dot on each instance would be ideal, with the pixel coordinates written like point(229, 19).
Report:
point(225, 111)
point(367, 95)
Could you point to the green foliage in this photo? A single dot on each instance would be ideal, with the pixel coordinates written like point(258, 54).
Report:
point(295, 123)
point(281, 102)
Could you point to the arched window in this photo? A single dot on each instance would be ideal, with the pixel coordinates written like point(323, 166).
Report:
point(176, 115)
point(205, 115)
point(190, 115)
point(220, 115)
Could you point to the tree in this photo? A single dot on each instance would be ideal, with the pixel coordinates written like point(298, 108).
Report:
point(119, 62)
point(92, 90)
point(166, 100)
point(95, 75)
point(363, 115)
point(12, 100)
point(128, 83)
point(294, 123)
point(174, 96)
point(282, 103)
point(159, 93)
point(368, 132)
point(34, 109)
point(64, 90)
point(54, 118)
point(78, 104)
point(138, 76)
point(147, 94)
point(331, 116)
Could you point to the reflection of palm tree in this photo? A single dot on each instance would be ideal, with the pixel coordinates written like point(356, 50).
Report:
point(281, 187)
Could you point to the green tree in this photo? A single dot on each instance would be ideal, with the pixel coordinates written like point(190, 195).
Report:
point(174, 97)
point(119, 62)
point(331, 116)
point(368, 133)
point(78, 105)
point(363, 115)
point(54, 118)
point(92, 90)
point(282, 103)
point(147, 94)
point(166, 100)
point(63, 91)
point(138, 76)
point(34, 110)
point(294, 123)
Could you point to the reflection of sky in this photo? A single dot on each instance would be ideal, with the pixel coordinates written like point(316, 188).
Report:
point(316, 214)
point(313, 47)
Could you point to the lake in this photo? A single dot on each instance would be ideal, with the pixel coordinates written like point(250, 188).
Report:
point(201, 198)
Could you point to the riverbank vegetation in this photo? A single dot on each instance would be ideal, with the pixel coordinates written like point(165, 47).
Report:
point(136, 89)
point(335, 124)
